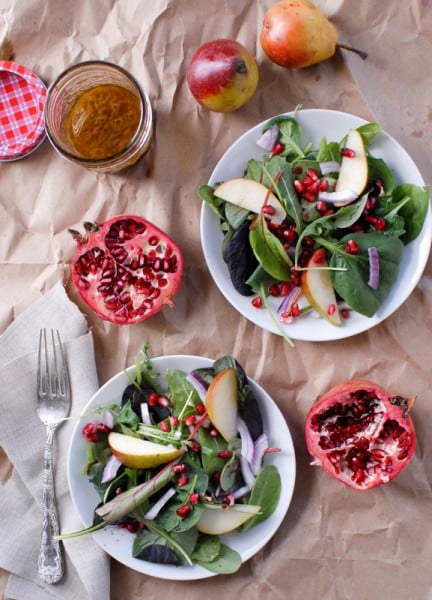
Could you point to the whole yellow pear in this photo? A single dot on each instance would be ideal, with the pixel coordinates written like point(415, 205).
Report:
point(295, 33)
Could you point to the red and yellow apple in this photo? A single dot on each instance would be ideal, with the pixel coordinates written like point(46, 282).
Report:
point(222, 75)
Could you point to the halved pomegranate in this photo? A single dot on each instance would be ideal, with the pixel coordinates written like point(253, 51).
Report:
point(126, 269)
point(361, 434)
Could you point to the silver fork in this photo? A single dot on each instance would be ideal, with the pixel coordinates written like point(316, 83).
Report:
point(54, 399)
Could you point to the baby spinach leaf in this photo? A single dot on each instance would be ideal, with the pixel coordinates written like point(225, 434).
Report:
point(269, 250)
point(352, 283)
point(414, 211)
point(210, 446)
point(207, 549)
point(328, 151)
point(369, 132)
point(265, 493)
point(259, 278)
point(227, 561)
point(180, 390)
point(378, 170)
point(279, 177)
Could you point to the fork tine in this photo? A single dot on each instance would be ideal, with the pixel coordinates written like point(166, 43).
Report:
point(43, 374)
point(61, 365)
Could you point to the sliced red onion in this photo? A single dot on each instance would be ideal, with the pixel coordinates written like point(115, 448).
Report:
point(288, 299)
point(329, 166)
point(247, 444)
point(241, 492)
point(153, 512)
point(110, 469)
point(145, 413)
point(345, 196)
point(108, 419)
point(374, 271)
point(246, 471)
point(260, 446)
point(199, 385)
point(269, 138)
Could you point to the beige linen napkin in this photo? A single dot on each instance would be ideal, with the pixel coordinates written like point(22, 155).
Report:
point(22, 437)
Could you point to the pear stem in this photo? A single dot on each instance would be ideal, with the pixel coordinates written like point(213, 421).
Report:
point(362, 54)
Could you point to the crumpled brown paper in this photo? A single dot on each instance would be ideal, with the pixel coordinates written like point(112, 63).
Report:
point(334, 543)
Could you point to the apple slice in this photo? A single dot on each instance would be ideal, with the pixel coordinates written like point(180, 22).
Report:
point(140, 454)
point(251, 195)
point(221, 402)
point(221, 520)
point(353, 172)
point(318, 288)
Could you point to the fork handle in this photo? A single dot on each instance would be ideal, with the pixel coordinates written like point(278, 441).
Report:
point(50, 562)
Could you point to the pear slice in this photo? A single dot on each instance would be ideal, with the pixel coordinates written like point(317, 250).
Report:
point(353, 172)
point(318, 288)
point(221, 402)
point(138, 453)
point(251, 195)
point(222, 520)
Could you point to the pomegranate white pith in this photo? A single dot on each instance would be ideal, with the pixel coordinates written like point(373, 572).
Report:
point(126, 269)
point(361, 434)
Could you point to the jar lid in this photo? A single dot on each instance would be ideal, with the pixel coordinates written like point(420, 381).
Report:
point(22, 101)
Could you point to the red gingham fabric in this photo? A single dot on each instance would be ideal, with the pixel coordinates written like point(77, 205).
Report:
point(22, 99)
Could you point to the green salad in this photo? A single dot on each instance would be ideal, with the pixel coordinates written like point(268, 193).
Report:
point(179, 461)
point(322, 228)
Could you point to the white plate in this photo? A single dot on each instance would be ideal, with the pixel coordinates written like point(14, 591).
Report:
point(334, 126)
point(118, 542)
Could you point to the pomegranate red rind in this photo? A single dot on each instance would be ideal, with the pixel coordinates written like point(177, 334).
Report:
point(361, 434)
point(126, 269)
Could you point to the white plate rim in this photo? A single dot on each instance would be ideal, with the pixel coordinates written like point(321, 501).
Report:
point(118, 542)
point(334, 125)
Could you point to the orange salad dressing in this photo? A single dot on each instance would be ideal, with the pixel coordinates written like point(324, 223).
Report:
point(103, 120)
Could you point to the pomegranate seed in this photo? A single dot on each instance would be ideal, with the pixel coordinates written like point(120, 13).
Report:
point(190, 420)
point(200, 408)
point(195, 447)
point(295, 310)
point(323, 185)
point(298, 170)
point(285, 288)
point(321, 206)
point(214, 432)
point(118, 491)
point(163, 401)
point(331, 309)
point(320, 256)
point(89, 429)
point(152, 399)
point(295, 277)
point(309, 196)
point(380, 224)
point(345, 313)
point(308, 242)
point(153, 240)
point(278, 148)
point(194, 498)
point(180, 468)
point(132, 527)
point(298, 186)
point(348, 152)
point(257, 302)
point(225, 454)
point(182, 480)
point(103, 428)
point(216, 477)
point(274, 290)
point(183, 511)
point(173, 421)
point(164, 426)
point(269, 210)
point(312, 174)
point(351, 247)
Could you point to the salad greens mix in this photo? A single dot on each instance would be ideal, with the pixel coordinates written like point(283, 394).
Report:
point(269, 260)
point(162, 505)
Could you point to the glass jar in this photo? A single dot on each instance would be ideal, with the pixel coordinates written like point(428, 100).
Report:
point(88, 93)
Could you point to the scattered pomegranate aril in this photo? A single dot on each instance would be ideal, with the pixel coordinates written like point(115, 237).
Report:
point(126, 269)
point(182, 481)
point(190, 420)
point(194, 498)
point(183, 511)
point(361, 434)
point(225, 454)
point(200, 408)
point(351, 247)
point(257, 302)
point(348, 152)
point(278, 148)
point(268, 210)
point(180, 468)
